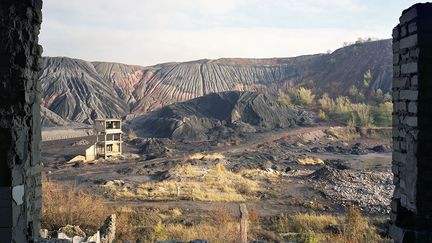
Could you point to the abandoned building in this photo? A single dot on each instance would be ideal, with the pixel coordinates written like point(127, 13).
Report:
point(20, 168)
point(108, 134)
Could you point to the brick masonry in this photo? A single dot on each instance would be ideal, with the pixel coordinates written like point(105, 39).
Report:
point(20, 182)
point(411, 216)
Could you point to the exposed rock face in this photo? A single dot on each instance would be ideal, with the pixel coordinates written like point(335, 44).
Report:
point(78, 90)
point(219, 115)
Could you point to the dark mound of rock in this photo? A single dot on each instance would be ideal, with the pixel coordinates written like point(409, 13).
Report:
point(219, 116)
point(155, 148)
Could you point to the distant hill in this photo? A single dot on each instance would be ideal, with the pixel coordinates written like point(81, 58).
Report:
point(219, 116)
point(80, 91)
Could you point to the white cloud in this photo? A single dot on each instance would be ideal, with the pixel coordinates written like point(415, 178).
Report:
point(153, 31)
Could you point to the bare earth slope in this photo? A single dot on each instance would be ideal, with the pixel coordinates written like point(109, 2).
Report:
point(75, 91)
point(78, 90)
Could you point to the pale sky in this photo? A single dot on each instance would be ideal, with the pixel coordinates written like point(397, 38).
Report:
point(147, 32)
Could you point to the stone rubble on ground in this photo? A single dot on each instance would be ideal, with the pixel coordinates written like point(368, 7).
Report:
point(371, 191)
point(74, 234)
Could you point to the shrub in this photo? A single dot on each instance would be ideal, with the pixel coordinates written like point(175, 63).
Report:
point(326, 102)
point(305, 96)
point(379, 95)
point(367, 78)
point(356, 94)
point(322, 115)
point(364, 114)
point(283, 98)
point(382, 114)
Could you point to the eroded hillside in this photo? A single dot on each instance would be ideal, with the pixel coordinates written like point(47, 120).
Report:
point(80, 91)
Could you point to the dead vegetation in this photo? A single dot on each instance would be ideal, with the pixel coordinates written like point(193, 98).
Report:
point(201, 156)
point(188, 182)
point(352, 228)
point(68, 205)
point(62, 206)
point(310, 161)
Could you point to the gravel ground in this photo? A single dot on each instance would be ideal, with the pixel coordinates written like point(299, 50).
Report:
point(371, 191)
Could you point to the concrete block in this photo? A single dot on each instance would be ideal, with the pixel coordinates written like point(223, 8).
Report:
point(409, 68)
point(408, 95)
point(409, 41)
point(411, 121)
point(412, 107)
point(408, 15)
point(414, 54)
point(412, 27)
point(400, 82)
point(403, 31)
point(401, 106)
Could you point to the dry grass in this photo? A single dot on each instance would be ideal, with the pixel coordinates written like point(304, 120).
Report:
point(222, 226)
point(62, 206)
point(310, 161)
point(201, 156)
point(343, 133)
point(193, 183)
point(317, 228)
point(357, 230)
point(69, 205)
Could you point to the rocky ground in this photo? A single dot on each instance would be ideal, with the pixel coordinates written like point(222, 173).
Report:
point(319, 168)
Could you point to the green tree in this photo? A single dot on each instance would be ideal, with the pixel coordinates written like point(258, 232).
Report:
point(382, 114)
point(367, 78)
point(356, 94)
point(379, 95)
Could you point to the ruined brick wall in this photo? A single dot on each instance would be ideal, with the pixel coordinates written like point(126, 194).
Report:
point(20, 182)
point(412, 126)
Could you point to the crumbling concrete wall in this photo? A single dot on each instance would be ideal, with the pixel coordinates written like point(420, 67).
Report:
point(20, 182)
point(412, 126)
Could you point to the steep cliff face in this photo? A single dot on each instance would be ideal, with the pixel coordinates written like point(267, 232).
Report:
point(78, 90)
